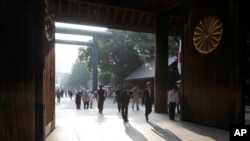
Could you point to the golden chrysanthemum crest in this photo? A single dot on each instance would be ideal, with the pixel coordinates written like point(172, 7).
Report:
point(207, 34)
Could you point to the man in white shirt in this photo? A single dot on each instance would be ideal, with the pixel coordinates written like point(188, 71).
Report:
point(173, 100)
point(136, 95)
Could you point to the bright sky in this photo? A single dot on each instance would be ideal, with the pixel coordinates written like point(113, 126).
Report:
point(67, 54)
point(65, 57)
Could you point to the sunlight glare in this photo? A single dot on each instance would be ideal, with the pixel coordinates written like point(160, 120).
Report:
point(71, 37)
point(65, 57)
point(75, 26)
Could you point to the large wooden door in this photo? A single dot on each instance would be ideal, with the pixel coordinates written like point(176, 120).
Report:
point(211, 73)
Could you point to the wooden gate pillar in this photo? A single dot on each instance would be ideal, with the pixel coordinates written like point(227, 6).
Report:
point(161, 63)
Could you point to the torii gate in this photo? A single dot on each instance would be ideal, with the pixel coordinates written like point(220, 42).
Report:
point(94, 44)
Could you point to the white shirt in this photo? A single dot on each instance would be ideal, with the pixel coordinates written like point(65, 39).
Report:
point(91, 97)
point(136, 92)
point(173, 97)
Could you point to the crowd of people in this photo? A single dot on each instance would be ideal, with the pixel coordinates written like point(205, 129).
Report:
point(81, 96)
point(122, 98)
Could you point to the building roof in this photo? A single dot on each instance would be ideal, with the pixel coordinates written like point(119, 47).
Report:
point(147, 70)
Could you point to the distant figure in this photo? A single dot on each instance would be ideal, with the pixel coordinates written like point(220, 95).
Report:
point(124, 102)
point(101, 94)
point(148, 99)
point(91, 99)
point(78, 100)
point(136, 95)
point(58, 95)
point(173, 100)
point(114, 98)
point(85, 98)
point(118, 93)
point(70, 93)
point(61, 92)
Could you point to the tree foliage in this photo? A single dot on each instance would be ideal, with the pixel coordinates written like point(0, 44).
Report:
point(105, 78)
point(79, 77)
point(122, 54)
point(173, 45)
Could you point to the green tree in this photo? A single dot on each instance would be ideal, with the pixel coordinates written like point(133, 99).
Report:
point(173, 45)
point(123, 53)
point(105, 78)
point(79, 77)
point(85, 54)
point(65, 81)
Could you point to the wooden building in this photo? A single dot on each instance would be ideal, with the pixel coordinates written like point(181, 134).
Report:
point(146, 72)
point(216, 67)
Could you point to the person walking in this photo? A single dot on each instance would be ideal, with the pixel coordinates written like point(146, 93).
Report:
point(58, 95)
point(173, 100)
point(78, 100)
point(70, 93)
point(124, 102)
point(136, 95)
point(101, 94)
point(91, 99)
point(148, 99)
point(85, 99)
point(118, 93)
point(61, 92)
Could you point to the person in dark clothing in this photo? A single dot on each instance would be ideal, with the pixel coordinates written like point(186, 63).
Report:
point(70, 94)
point(124, 102)
point(118, 93)
point(61, 92)
point(58, 95)
point(101, 94)
point(78, 100)
point(148, 99)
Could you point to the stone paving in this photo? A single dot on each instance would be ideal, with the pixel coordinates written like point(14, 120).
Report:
point(89, 125)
